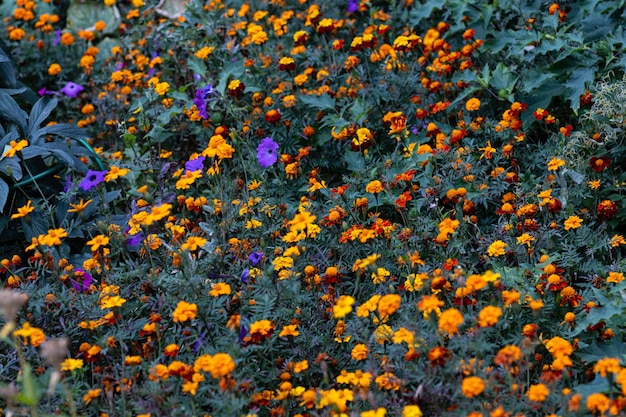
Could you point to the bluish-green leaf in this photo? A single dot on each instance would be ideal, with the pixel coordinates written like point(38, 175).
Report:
point(11, 111)
point(40, 112)
point(323, 102)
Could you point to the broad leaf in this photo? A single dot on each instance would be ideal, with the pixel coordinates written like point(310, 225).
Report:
point(11, 111)
point(40, 112)
point(323, 102)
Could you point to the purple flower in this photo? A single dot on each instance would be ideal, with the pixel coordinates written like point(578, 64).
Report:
point(72, 89)
point(266, 152)
point(57, 37)
point(195, 164)
point(82, 281)
point(245, 275)
point(353, 6)
point(92, 179)
point(133, 242)
point(255, 258)
point(202, 95)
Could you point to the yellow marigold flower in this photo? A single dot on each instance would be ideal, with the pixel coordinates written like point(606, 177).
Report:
point(23, 211)
point(193, 243)
point(53, 237)
point(157, 213)
point(383, 333)
point(617, 240)
point(379, 412)
point(489, 316)
point(525, 239)
point(14, 147)
point(450, 320)
point(572, 222)
point(220, 288)
point(343, 306)
point(161, 88)
point(204, 52)
point(388, 304)
point(555, 163)
point(184, 311)
point(598, 404)
point(472, 104)
point(98, 242)
point(374, 187)
point(70, 364)
point(472, 386)
point(132, 360)
point(359, 352)
point(430, 304)
point(219, 365)
point(31, 335)
point(607, 365)
point(54, 69)
point(289, 330)
point(411, 411)
point(497, 248)
point(115, 173)
point(79, 207)
point(615, 277)
point(537, 392)
point(112, 302)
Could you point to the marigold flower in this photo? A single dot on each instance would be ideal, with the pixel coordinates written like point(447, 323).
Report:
point(497, 248)
point(472, 386)
point(450, 320)
point(343, 306)
point(537, 392)
point(507, 356)
point(289, 330)
point(31, 335)
point(411, 411)
point(70, 364)
point(98, 242)
point(23, 211)
point(112, 302)
point(374, 187)
point(14, 147)
point(91, 395)
point(260, 329)
point(53, 237)
point(359, 352)
point(472, 104)
point(555, 163)
point(598, 403)
point(184, 311)
point(54, 69)
point(388, 304)
point(489, 316)
point(572, 222)
point(607, 365)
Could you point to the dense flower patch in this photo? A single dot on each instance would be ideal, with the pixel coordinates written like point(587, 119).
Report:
point(299, 208)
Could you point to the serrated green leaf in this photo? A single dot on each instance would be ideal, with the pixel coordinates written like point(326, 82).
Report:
point(323, 102)
point(576, 85)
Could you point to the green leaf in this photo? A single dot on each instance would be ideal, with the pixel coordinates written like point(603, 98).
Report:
point(4, 194)
point(597, 351)
point(11, 111)
point(323, 102)
point(83, 15)
point(576, 85)
point(40, 112)
point(233, 70)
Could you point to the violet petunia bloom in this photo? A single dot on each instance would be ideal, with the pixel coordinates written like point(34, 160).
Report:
point(353, 6)
point(85, 281)
point(72, 89)
point(266, 152)
point(92, 179)
point(195, 164)
point(202, 96)
point(255, 258)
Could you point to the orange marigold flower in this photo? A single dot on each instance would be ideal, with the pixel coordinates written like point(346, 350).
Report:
point(184, 311)
point(472, 104)
point(537, 392)
point(598, 403)
point(359, 352)
point(607, 365)
point(497, 248)
point(489, 316)
point(450, 320)
point(343, 306)
point(472, 386)
point(572, 222)
point(388, 304)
